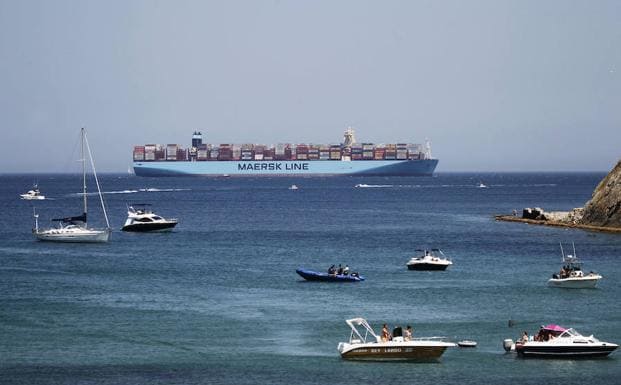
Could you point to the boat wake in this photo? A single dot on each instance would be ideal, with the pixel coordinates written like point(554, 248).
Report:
point(364, 185)
point(106, 192)
point(133, 191)
point(151, 189)
point(528, 185)
point(121, 192)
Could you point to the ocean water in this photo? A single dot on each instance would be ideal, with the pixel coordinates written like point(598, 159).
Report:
point(218, 301)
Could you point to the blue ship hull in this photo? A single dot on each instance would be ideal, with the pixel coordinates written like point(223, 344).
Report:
point(424, 167)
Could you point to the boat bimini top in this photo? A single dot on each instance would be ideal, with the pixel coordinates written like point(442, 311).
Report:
point(353, 323)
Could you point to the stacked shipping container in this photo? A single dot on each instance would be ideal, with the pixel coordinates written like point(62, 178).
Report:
point(282, 151)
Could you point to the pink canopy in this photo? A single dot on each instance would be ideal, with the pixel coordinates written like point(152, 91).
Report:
point(554, 328)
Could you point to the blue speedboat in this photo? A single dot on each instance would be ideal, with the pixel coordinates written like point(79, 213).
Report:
point(311, 275)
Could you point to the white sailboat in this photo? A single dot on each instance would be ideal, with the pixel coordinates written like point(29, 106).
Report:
point(75, 229)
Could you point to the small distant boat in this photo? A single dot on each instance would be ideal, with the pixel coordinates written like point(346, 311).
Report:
point(33, 194)
point(293, 187)
point(311, 275)
point(141, 219)
point(433, 259)
point(571, 275)
point(467, 344)
point(557, 341)
point(370, 347)
point(482, 185)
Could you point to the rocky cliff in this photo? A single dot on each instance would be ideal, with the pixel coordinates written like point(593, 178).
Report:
point(604, 208)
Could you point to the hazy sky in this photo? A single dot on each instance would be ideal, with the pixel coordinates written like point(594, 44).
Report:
point(495, 85)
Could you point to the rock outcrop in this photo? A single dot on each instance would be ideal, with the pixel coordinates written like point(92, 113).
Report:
point(604, 208)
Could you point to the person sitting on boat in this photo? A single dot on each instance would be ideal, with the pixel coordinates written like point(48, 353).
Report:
point(346, 270)
point(524, 337)
point(385, 333)
point(332, 270)
point(340, 270)
point(407, 335)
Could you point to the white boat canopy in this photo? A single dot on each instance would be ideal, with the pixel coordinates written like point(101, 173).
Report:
point(368, 329)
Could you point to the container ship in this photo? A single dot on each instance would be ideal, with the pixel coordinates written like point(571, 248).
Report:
point(284, 159)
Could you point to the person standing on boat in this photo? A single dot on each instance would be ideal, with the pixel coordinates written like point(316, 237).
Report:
point(407, 335)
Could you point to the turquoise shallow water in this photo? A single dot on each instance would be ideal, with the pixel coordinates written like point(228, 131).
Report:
point(218, 300)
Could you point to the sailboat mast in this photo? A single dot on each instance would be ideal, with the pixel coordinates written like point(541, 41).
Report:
point(83, 173)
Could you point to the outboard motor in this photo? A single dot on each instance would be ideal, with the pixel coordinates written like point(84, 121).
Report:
point(507, 344)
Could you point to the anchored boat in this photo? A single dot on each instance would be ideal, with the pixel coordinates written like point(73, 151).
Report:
point(75, 229)
point(140, 218)
point(571, 275)
point(369, 346)
point(557, 341)
point(433, 259)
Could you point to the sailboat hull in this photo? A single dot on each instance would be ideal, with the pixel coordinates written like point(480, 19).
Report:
point(83, 236)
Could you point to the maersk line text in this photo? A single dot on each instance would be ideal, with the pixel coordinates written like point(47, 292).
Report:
point(271, 166)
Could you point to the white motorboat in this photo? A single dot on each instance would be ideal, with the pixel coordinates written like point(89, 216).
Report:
point(557, 341)
point(433, 259)
point(293, 187)
point(482, 185)
point(75, 229)
point(369, 346)
point(33, 194)
point(571, 275)
point(141, 219)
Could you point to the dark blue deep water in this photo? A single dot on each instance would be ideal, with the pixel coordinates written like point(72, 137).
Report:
point(217, 301)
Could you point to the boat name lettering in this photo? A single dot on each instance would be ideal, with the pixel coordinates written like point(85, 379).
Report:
point(271, 166)
point(392, 350)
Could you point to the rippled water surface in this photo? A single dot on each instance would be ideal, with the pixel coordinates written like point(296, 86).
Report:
point(218, 300)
